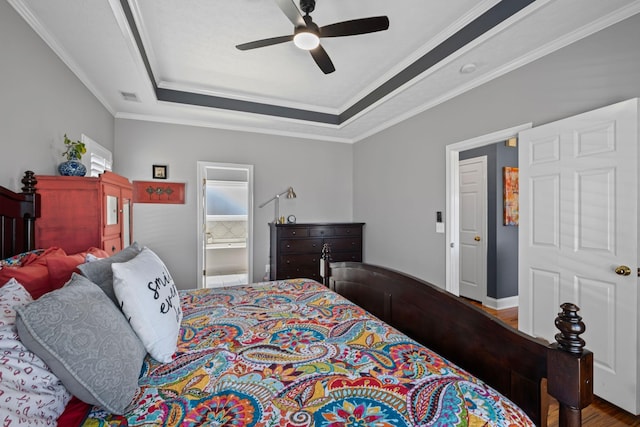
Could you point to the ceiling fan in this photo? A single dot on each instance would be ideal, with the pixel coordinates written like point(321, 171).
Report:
point(307, 34)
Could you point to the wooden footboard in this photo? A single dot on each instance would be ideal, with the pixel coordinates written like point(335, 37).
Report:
point(522, 368)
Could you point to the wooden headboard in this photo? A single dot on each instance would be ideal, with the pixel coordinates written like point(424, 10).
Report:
point(18, 212)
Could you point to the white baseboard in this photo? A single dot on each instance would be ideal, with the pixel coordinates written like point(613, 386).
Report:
point(500, 304)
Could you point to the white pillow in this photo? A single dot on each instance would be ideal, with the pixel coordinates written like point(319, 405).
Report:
point(149, 300)
point(30, 393)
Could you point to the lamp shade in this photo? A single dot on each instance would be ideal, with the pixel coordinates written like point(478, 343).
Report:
point(290, 195)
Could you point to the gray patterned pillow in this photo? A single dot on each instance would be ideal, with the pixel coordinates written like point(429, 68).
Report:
point(86, 341)
point(100, 273)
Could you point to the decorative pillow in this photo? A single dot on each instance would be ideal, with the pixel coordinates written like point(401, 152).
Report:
point(99, 272)
point(37, 256)
point(83, 337)
point(34, 277)
point(33, 274)
point(31, 393)
point(18, 260)
point(149, 299)
point(61, 267)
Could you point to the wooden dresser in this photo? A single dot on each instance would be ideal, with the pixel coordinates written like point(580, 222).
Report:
point(296, 248)
point(81, 212)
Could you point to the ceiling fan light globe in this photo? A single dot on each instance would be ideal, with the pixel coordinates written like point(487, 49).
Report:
point(306, 40)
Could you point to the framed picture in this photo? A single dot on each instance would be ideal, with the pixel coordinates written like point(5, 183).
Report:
point(156, 192)
point(159, 171)
point(511, 190)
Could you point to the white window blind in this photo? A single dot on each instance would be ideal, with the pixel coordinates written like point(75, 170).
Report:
point(97, 159)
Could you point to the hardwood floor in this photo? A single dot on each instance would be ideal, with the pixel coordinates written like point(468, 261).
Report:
point(600, 413)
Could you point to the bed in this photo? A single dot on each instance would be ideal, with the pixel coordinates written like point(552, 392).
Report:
point(376, 348)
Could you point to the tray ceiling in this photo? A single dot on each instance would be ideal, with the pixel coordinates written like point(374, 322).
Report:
point(167, 60)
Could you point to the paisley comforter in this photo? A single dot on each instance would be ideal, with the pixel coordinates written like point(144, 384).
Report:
point(292, 354)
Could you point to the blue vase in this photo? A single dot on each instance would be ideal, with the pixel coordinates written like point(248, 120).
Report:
point(72, 167)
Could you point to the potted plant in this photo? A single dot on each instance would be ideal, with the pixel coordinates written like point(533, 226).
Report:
point(73, 153)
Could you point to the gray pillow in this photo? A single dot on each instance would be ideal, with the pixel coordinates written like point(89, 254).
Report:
point(99, 272)
point(86, 341)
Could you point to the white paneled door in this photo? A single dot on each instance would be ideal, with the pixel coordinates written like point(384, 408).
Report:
point(473, 228)
point(579, 238)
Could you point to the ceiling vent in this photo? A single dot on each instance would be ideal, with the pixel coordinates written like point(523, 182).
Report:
point(129, 96)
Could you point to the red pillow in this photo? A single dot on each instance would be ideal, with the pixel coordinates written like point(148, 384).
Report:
point(61, 267)
point(34, 278)
point(97, 252)
point(34, 257)
point(33, 274)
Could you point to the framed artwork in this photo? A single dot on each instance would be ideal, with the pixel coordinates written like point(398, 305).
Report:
point(155, 192)
point(159, 171)
point(510, 183)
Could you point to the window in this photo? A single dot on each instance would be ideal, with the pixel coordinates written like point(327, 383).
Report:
point(227, 200)
point(97, 158)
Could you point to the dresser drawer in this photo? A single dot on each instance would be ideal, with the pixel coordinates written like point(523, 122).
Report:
point(355, 230)
point(291, 261)
point(294, 232)
point(322, 231)
point(313, 246)
point(345, 244)
point(112, 246)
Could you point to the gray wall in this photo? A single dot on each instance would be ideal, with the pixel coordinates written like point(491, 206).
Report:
point(399, 174)
point(502, 241)
point(320, 173)
point(41, 101)
point(506, 235)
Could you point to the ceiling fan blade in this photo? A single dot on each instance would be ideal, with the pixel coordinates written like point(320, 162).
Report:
point(264, 42)
point(293, 13)
point(322, 59)
point(355, 27)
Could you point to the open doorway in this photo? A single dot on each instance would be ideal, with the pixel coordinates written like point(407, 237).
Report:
point(225, 224)
point(453, 254)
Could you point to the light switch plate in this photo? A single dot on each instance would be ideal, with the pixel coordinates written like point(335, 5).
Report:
point(439, 227)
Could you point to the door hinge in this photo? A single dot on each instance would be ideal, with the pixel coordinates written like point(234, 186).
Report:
point(204, 272)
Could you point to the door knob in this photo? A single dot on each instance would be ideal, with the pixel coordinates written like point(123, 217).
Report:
point(623, 270)
point(477, 238)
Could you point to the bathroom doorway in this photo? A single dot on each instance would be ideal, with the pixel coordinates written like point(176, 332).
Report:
point(225, 224)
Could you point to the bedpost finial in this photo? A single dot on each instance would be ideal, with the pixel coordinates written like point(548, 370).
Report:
point(326, 252)
point(571, 327)
point(29, 182)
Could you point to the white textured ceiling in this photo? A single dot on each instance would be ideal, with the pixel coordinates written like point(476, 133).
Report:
point(189, 50)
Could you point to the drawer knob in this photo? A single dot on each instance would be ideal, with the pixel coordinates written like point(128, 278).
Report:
point(293, 233)
point(288, 246)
